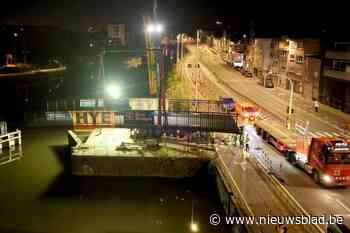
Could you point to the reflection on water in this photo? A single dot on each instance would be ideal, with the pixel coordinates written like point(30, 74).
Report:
point(8, 155)
point(38, 194)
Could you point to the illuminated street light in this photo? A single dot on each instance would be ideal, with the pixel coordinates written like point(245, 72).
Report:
point(150, 28)
point(158, 28)
point(113, 91)
point(194, 227)
point(15, 34)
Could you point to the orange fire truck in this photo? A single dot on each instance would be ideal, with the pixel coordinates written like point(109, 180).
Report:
point(247, 111)
point(326, 159)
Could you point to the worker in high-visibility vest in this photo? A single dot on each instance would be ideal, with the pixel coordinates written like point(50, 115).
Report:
point(246, 143)
point(238, 139)
point(281, 228)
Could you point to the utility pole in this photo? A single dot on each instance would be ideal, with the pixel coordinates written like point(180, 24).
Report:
point(101, 75)
point(182, 46)
point(155, 6)
point(290, 106)
point(178, 48)
point(197, 65)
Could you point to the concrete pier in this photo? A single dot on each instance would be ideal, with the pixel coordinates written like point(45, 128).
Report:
point(112, 152)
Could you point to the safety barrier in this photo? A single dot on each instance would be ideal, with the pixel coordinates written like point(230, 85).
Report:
point(11, 139)
point(285, 195)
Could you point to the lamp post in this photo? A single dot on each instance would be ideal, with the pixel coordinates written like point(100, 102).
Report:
point(15, 35)
point(193, 226)
point(156, 29)
point(197, 65)
point(290, 105)
point(291, 86)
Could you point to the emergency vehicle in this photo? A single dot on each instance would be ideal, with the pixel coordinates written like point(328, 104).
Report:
point(247, 111)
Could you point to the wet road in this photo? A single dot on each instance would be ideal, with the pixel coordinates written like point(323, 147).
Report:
point(39, 195)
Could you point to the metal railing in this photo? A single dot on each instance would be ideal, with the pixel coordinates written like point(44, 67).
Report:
point(264, 165)
point(11, 139)
point(10, 147)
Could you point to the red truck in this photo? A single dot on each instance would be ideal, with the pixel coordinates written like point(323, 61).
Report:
point(326, 159)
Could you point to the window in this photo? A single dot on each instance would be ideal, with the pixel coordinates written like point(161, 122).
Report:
point(283, 53)
point(300, 59)
point(291, 58)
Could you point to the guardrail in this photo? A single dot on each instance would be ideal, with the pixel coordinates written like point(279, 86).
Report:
point(285, 195)
point(10, 139)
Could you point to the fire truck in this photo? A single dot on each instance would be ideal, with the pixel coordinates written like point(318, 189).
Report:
point(326, 159)
point(247, 111)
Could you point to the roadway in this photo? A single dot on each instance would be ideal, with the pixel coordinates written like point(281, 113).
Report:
point(324, 123)
point(260, 198)
point(225, 81)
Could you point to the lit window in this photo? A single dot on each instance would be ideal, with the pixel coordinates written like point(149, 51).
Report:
point(291, 58)
point(300, 59)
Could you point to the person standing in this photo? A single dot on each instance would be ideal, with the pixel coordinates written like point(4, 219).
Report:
point(316, 105)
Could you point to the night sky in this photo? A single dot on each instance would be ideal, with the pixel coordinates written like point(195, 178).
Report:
point(181, 15)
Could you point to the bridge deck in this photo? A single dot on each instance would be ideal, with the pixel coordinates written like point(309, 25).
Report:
point(259, 196)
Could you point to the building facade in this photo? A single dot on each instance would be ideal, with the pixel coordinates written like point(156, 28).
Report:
point(284, 61)
point(117, 33)
point(297, 59)
point(261, 57)
point(335, 82)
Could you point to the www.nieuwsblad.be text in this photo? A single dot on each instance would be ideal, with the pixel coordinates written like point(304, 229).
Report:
point(216, 220)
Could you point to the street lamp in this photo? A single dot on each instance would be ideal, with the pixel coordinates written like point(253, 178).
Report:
point(154, 27)
point(290, 106)
point(113, 91)
point(193, 226)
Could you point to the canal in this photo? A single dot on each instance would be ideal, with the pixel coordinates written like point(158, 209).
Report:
point(38, 194)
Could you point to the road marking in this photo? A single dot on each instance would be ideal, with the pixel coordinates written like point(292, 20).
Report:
point(319, 134)
point(313, 135)
point(343, 205)
point(335, 134)
point(328, 134)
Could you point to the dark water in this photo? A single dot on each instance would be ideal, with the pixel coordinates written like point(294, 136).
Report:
point(38, 194)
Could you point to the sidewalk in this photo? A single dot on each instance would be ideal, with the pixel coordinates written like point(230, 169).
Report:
point(307, 104)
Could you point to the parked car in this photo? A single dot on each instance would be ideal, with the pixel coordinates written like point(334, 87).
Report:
point(269, 82)
point(248, 74)
point(238, 68)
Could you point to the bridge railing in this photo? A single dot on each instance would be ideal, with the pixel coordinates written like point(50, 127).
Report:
point(172, 105)
point(11, 139)
point(10, 147)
